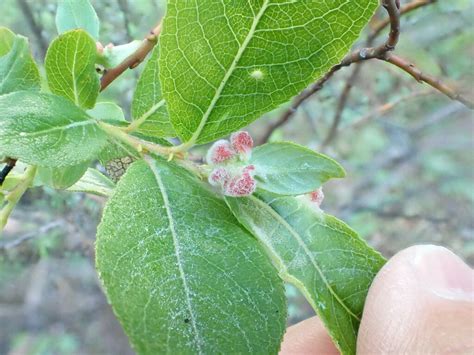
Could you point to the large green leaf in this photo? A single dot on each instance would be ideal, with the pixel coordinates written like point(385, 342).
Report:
point(224, 63)
point(70, 68)
point(18, 70)
point(148, 105)
point(290, 169)
point(181, 274)
point(47, 130)
point(323, 257)
point(74, 14)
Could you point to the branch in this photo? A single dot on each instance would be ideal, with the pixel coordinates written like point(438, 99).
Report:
point(318, 85)
point(133, 60)
point(415, 4)
point(34, 26)
point(428, 79)
point(14, 196)
point(381, 52)
point(344, 98)
point(34, 234)
point(10, 164)
point(384, 109)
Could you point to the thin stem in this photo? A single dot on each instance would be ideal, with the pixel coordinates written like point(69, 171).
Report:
point(419, 76)
point(384, 109)
point(344, 97)
point(381, 52)
point(143, 148)
point(14, 196)
point(135, 124)
point(140, 145)
point(133, 60)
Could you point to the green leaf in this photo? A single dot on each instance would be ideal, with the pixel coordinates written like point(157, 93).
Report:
point(70, 68)
point(94, 182)
point(290, 169)
point(330, 264)
point(225, 64)
point(107, 111)
point(47, 130)
point(148, 106)
point(7, 38)
point(181, 274)
point(74, 14)
point(18, 70)
point(62, 178)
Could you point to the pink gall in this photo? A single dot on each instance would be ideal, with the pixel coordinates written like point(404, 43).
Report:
point(242, 142)
point(317, 196)
point(240, 186)
point(100, 48)
point(249, 169)
point(219, 176)
point(220, 152)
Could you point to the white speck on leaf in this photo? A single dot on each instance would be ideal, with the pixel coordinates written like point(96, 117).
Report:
point(257, 74)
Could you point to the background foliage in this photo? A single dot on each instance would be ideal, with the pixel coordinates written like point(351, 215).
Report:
point(406, 149)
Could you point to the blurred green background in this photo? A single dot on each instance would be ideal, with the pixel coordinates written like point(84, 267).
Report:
point(407, 149)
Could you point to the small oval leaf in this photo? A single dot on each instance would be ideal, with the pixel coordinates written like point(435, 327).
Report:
point(70, 68)
point(74, 14)
point(107, 111)
point(18, 71)
point(291, 169)
point(62, 178)
point(6, 40)
point(94, 182)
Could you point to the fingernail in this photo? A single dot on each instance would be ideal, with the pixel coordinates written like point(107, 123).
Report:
point(443, 273)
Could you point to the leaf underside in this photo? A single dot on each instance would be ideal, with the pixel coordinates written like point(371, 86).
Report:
point(180, 273)
point(94, 182)
point(290, 169)
point(47, 130)
point(320, 255)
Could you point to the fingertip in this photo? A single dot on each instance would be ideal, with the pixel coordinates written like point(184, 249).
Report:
point(420, 302)
point(307, 337)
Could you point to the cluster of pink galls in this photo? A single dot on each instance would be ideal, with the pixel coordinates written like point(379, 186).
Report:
point(230, 171)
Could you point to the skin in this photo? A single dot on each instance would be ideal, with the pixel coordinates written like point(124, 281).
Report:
point(421, 302)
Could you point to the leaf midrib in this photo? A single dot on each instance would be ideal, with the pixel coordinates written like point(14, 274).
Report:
point(60, 128)
point(229, 72)
point(302, 243)
point(177, 249)
point(74, 83)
